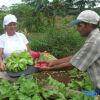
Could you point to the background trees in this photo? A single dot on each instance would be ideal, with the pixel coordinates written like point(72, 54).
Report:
point(36, 15)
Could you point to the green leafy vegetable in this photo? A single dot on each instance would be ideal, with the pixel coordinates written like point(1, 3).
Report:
point(18, 61)
point(33, 89)
point(47, 56)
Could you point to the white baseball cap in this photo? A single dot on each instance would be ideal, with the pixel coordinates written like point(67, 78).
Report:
point(87, 16)
point(8, 19)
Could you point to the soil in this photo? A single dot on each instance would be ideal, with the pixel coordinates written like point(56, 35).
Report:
point(61, 76)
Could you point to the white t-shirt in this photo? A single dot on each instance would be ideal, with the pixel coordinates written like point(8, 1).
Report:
point(17, 42)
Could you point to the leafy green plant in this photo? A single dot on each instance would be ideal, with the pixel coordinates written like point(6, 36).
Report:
point(60, 43)
point(17, 61)
point(33, 89)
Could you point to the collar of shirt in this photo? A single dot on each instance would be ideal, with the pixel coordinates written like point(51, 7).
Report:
point(95, 31)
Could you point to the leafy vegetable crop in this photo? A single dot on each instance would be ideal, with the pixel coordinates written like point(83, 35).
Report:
point(33, 89)
point(43, 57)
point(46, 56)
point(18, 61)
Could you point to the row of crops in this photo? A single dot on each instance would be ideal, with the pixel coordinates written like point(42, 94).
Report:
point(34, 89)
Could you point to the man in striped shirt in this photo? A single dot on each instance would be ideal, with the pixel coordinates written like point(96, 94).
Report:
point(88, 57)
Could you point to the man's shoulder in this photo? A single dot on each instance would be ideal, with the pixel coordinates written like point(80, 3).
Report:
point(94, 37)
point(97, 37)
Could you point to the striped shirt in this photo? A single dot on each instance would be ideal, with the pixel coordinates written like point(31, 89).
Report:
point(88, 57)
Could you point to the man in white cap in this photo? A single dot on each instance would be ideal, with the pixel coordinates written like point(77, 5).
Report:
point(88, 57)
point(11, 40)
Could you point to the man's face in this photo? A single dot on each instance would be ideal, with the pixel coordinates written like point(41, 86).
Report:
point(11, 28)
point(83, 29)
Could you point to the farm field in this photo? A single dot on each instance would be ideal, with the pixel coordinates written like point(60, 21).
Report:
point(47, 26)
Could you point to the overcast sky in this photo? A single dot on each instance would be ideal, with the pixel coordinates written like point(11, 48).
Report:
point(9, 2)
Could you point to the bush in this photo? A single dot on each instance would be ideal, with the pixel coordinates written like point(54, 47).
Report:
point(60, 43)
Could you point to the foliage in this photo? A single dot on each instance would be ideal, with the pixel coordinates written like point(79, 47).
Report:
point(17, 61)
point(59, 43)
point(31, 17)
point(46, 56)
point(37, 15)
point(24, 14)
point(32, 89)
point(80, 81)
point(62, 7)
point(2, 14)
point(82, 4)
point(45, 9)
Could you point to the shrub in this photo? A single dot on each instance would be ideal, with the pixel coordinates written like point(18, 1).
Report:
point(60, 43)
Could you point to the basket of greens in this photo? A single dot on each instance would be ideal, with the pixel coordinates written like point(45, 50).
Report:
point(18, 63)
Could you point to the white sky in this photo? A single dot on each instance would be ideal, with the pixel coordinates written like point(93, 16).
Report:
point(9, 2)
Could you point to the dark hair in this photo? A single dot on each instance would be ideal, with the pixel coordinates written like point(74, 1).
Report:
point(94, 25)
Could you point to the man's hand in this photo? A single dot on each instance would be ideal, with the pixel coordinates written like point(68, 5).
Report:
point(49, 63)
point(44, 65)
point(50, 66)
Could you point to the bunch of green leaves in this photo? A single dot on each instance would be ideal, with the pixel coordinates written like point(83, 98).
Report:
point(47, 56)
point(5, 89)
point(18, 61)
point(44, 56)
point(22, 89)
point(80, 80)
point(33, 89)
point(73, 73)
point(57, 90)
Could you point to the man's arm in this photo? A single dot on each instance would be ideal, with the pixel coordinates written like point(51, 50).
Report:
point(63, 66)
point(63, 60)
point(58, 61)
